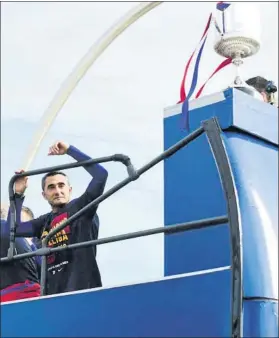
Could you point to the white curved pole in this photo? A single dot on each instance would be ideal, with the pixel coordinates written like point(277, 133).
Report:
point(80, 70)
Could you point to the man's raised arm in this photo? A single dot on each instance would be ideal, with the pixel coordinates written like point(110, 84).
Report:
point(95, 170)
point(96, 186)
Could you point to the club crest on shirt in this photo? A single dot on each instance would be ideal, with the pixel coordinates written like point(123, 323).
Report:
point(62, 237)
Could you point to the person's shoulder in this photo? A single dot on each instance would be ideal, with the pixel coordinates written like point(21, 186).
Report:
point(70, 204)
point(48, 214)
point(43, 218)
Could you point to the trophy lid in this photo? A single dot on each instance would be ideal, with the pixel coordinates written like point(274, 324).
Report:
point(240, 33)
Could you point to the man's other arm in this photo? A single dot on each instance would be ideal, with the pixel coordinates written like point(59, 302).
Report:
point(31, 228)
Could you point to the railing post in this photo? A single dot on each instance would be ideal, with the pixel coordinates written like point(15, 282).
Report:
point(43, 279)
point(12, 216)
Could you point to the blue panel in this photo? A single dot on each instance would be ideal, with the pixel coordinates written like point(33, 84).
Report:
point(193, 191)
point(240, 110)
point(255, 167)
point(222, 109)
point(260, 319)
point(196, 306)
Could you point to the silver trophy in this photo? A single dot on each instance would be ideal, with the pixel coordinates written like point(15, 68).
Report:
point(238, 37)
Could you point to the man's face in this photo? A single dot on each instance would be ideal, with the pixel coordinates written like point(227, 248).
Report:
point(57, 190)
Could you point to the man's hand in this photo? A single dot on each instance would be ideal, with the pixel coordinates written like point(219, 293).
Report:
point(59, 148)
point(21, 183)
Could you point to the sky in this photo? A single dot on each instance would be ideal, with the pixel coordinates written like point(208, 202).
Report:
point(116, 108)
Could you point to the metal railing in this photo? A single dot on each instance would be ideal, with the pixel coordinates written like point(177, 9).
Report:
point(213, 133)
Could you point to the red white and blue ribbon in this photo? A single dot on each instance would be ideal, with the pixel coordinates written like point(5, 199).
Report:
point(223, 64)
point(185, 98)
point(182, 87)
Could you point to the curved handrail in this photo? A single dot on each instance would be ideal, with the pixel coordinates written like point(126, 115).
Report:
point(213, 132)
point(114, 158)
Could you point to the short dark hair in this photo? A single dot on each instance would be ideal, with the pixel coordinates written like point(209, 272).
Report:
point(258, 82)
point(28, 211)
point(52, 173)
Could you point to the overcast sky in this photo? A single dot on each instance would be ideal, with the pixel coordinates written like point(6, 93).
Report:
point(116, 108)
